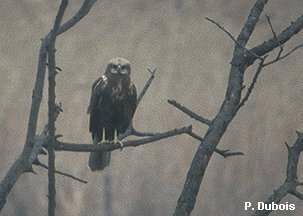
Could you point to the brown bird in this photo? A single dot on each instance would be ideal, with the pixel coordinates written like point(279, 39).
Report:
point(112, 105)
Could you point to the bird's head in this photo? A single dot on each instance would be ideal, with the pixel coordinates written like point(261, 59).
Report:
point(118, 73)
point(118, 67)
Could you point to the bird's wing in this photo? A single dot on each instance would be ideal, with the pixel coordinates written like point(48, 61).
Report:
point(96, 96)
point(131, 104)
point(132, 97)
point(129, 108)
point(97, 89)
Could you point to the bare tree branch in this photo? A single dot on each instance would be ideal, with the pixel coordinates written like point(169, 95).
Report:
point(275, 36)
point(24, 161)
point(187, 199)
point(231, 37)
point(267, 46)
point(190, 113)
point(82, 12)
point(141, 134)
point(224, 153)
point(38, 163)
point(131, 130)
point(253, 83)
point(110, 146)
point(52, 109)
point(291, 182)
point(297, 194)
point(147, 84)
point(281, 57)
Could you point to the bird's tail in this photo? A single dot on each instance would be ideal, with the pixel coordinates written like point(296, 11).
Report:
point(99, 160)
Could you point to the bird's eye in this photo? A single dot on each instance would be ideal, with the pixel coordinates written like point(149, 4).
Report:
point(114, 70)
point(124, 70)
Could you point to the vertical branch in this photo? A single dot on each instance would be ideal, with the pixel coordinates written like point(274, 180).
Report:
point(52, 109)
point(25, 160)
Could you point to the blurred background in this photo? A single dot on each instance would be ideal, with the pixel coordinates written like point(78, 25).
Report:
point(192, 57)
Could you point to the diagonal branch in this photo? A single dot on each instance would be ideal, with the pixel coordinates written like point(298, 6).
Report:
point(189, 112)
point(38, 163)
point(281, 57)
point(275, 36)
point(224, 153)
point(220, 123)
point(297, 194)
point(82, 12)
point(291, 182)
point(274, 42)
point(147, 84)
point(131, 130)
point(251, 23)
point(232, 37)
point(252, 85)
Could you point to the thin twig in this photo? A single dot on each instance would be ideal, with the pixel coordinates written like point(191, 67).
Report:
point(131, 130)
point(275, 36)
point(291, 182)
point(232, 37)
point(147, 84)
point(283, 56)
point(57, 68)
point(223, 118)
point(252, 85)
point(189, 112)
point(284, 36)
point(224, 153)
point(38, 163)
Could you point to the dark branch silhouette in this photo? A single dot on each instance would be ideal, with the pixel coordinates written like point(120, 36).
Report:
point(31, 147)
point(233, 100)
point(63, 146)
point(48, 139)
point(224, 153)
point(42, 165)
point(190, 113)
point(52, 109)
point(232, 37)
point(291, 182)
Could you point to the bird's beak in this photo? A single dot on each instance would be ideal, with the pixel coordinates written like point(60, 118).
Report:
point(119, 69)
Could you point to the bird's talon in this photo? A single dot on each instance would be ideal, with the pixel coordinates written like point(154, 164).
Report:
point(121, 145)
point(116, 140)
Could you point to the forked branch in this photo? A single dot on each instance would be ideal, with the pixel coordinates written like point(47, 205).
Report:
point(224, 153)
point(291, 182)
point(241, 60)
point(30, 150)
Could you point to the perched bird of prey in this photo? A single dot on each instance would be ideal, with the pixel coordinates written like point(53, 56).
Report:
point(112, 105)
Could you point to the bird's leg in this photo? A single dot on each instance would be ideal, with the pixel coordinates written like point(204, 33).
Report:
point(116, 140)
point(103, 136)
